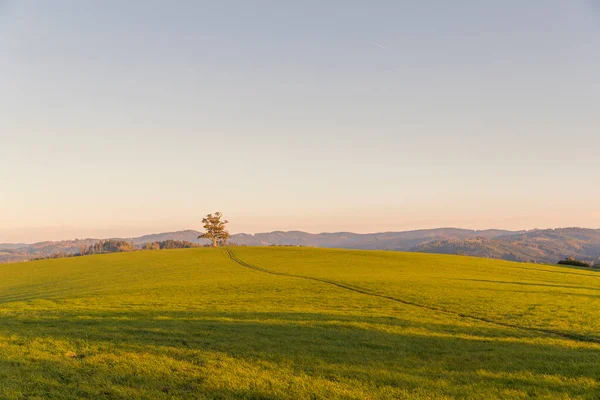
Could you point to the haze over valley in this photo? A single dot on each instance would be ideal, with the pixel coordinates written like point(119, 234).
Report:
point(537, 246)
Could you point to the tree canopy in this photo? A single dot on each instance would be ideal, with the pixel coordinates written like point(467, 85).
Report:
point(215, 229)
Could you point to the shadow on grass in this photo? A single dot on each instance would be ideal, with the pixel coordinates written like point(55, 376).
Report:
point(531, 284)
point(182, 354)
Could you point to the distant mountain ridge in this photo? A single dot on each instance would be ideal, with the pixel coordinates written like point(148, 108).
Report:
point(368, 241)
point(11, 246)
point(547, 246)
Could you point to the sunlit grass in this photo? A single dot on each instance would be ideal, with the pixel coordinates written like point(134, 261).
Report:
point(195, 324)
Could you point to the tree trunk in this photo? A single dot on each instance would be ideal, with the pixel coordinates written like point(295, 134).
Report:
point(214, 242)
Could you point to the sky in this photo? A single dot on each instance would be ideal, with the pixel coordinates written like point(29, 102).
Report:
point(126, 118)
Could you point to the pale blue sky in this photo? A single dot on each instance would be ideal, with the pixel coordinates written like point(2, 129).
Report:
point(123, 118)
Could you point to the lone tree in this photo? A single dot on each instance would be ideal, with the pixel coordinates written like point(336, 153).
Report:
point(215, 229)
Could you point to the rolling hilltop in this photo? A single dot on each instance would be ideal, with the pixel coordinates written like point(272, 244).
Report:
point(297, 323)
point(541, 246)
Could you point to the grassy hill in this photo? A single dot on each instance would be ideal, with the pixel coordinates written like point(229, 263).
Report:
point(296, 323)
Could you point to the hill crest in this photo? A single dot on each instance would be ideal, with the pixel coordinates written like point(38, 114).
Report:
point(538, 245)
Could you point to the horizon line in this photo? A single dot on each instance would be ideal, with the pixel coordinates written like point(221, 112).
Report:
point(301, 231)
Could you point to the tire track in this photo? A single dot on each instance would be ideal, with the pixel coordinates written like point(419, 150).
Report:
point(356, 289)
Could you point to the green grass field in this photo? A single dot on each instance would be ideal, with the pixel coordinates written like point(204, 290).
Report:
point(293, 323)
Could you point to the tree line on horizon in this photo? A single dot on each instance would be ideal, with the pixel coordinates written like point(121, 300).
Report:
point(214, 225)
